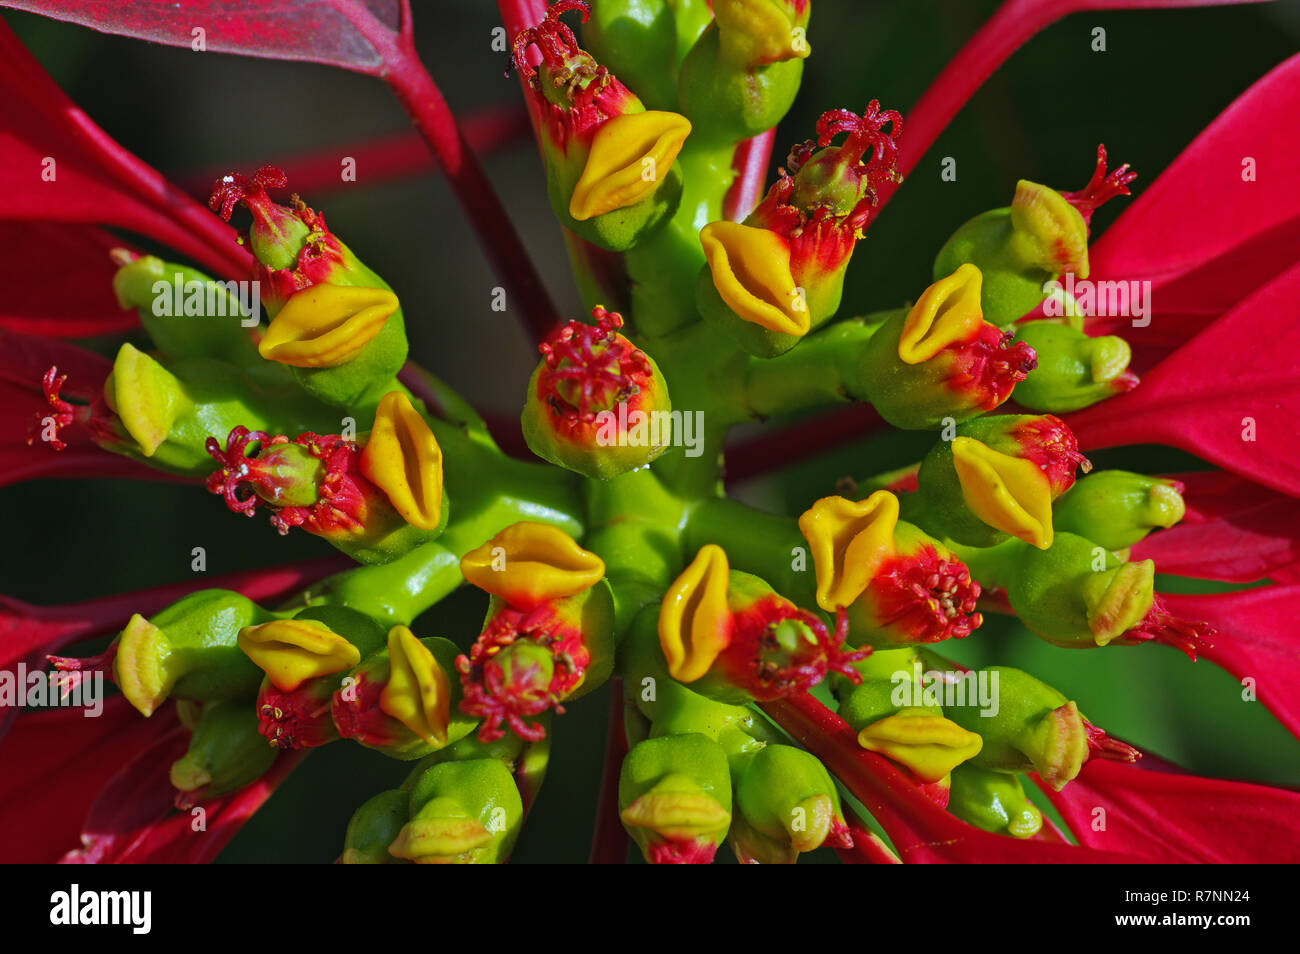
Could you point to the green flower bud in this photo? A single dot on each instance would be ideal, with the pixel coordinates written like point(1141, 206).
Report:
point(186, 313)
point(188, 651)
point(226, 753)
point(674, 797)
point(996, 478)
point(597, 404)
point(1077, 593)
point(461, 813)
point(786, 803)
point(1116, 508)
point(375, 826)
point(336, 324)
point(994, 801)
point(1035, 727)
point(1074, 370)
point(644, 41)
point(742, 74)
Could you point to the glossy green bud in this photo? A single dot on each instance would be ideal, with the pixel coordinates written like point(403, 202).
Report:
point(1079, 594)
point(226, 753)
point(190, 650)
point(644, 41)
point(786, 804)
point(1074, 370)
point(674, 798)
point(742, 74)
point(993, 801)
point(461, 813)
point(188, 314)
point(1034, 728)
point(1116, 508)
point(375, 826)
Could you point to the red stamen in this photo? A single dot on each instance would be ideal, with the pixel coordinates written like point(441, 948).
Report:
point(990, 366)
point(1101, 188)
point(925, 597)
point(590, 369)
point(759, 663)
point(487, 691)
point(73, 670)
point(1162, 626)
point(1048, 442)
point(552, 38)
point(232, 189)
point(691, 851)
point(244, 480)
point(1102, 746)
point(295, 720)
point(64, 413)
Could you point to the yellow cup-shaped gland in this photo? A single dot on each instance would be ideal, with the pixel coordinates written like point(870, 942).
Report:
point(758, 31)
point(947, 313)
point(694, 619)
point(1008, 493)
point(417, 694)
point(528, 563)
point(291, 651)
point(927, 744)
point(630, 155)
point(678, 808)
point(146, 397)
point(138, 666)
point(1050, 232)
point(326, 325)
point(442, 833)
point(849, 540)
point(751, 271)
point(402, 458)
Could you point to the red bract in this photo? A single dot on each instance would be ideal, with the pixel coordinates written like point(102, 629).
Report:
point(1233, 530)
point(1256, 639)
point(1200, 262)
point(1161, 814)
point(1231, 395)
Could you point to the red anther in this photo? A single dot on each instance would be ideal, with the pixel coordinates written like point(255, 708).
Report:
point(554, 39)
point(490, 695)
point(1101, 187)
point(591, 368)
point(1162, 626)
point(1102, 746)
point(925, 597)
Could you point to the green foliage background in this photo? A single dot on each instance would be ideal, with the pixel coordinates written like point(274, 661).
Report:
point(1163, 77)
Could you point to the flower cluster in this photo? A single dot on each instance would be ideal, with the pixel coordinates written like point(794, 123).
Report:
point(780, 684)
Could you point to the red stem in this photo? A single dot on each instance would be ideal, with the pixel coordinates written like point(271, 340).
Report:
point(395, 156)
point(1015, 22)
point(868, 848)
point(609, 843)
point(423, 101)
point(780, 448)
point(750, 162)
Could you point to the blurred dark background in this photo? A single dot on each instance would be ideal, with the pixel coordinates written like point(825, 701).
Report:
point(1163, 77)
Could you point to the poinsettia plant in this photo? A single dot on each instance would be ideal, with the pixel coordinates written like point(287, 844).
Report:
point(780, 682)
